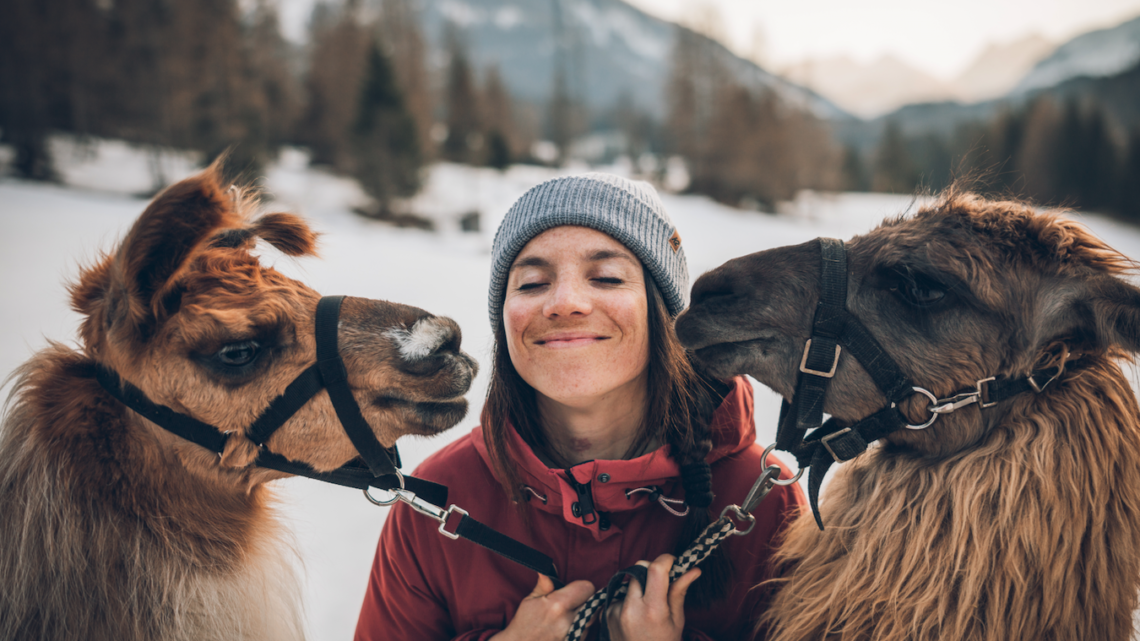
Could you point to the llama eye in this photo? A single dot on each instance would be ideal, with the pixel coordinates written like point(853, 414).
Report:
point(238, 354)
point(919, 291)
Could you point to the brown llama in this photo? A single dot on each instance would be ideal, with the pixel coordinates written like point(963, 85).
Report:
point(112, 528)
point(1016, 521)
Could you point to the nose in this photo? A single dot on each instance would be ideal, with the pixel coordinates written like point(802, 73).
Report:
point(568, 296)
point(428, 345)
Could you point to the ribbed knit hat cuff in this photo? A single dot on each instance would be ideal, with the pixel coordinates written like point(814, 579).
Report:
point(608, 204)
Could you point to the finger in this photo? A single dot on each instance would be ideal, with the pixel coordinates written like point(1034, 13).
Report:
point(544, 587)
point(679, 589)
point(574, 594)
point(657, 584)
point(633, 587)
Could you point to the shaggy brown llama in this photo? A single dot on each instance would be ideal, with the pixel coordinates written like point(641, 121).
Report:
point(1017, 521)
point(113, 528)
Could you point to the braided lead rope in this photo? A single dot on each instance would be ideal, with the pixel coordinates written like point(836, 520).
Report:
point(703, 546)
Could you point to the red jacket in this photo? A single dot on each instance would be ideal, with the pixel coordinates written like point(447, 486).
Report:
point(425, 587)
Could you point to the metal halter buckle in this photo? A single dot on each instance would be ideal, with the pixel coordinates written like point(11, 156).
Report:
point(826, 441)
point(983, 387)
point(814, 372)
point(1037, 388)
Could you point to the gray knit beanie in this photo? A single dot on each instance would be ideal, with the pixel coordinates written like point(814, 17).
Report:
point(627, 210)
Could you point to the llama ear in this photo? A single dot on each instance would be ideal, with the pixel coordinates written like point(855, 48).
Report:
point(286, 232)
point(159, 244)
point(1114, 313)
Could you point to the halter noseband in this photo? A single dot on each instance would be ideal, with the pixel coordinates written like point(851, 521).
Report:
point(329, 373)
point(835, 329)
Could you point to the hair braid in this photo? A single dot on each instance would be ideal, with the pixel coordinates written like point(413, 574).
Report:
point(686, 421)
point(696, 477)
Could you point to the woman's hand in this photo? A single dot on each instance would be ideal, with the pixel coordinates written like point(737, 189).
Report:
point(659, 613)
point(546, 614)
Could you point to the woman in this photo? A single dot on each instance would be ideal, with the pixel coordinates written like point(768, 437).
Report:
point(600, 446)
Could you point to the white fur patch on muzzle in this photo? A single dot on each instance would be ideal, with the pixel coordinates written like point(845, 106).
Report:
point(424, 338)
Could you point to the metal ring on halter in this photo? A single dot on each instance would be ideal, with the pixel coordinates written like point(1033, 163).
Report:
point(764, 463)
point(933, 415)
point(386, 502)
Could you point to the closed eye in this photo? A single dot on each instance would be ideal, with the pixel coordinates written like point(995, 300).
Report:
point(609, 281)
point(529, 286)
point(917, 289)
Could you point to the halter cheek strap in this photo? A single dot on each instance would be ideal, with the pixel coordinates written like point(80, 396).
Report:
point(329, 373)
point(835, 329)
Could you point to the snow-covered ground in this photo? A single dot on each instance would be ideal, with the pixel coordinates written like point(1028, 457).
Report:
point(47, 232)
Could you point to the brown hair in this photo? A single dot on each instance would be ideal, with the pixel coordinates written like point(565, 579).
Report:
point(679, 411)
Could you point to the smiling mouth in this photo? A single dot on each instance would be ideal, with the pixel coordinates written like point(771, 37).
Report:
point(570, 341)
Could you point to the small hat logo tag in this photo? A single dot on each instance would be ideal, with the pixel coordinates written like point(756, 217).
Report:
point(675, 241)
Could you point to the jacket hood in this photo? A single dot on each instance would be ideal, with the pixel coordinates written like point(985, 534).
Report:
point(580, 492)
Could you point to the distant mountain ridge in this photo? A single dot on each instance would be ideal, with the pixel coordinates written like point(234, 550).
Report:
point(1100, 53)
point(608, 48)
point(872, 89)
point(1101, 66)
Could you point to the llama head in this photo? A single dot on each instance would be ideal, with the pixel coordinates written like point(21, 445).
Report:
point(965, 289)
point(185, 312)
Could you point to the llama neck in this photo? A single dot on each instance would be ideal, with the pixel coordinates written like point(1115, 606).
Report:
point(149, 479)
point(1010, 539)
point(106, 535)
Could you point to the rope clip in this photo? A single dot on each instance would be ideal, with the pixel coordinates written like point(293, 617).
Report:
point(419, 505)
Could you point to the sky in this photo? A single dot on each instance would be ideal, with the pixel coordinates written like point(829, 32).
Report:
point(940, 38)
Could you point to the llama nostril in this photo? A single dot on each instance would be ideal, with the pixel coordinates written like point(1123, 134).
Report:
point(424, 348)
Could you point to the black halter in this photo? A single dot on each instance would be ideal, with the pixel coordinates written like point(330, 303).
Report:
point(380, 463)
point(835, 329)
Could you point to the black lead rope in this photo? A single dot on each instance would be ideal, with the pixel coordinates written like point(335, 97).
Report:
point(380, 467)
point(835, 329)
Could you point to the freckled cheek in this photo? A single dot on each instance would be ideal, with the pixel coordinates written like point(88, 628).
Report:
point(635, 336)
point(517, 316)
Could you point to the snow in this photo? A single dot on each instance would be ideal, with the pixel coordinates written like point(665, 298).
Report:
point(47, 232)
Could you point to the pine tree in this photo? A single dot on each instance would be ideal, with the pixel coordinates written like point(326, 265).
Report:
point(894, 169)
point(1128, 193)
point(404, 44)
point(387, 158)
point(498, 116)
point(1038, 158)
point(278, 98)
point(464, 142)
point(336, 72)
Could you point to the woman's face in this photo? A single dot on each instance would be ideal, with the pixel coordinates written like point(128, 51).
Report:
point(576, 316)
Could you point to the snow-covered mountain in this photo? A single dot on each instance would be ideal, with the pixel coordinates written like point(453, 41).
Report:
point(1104, 52)
point(872, 89)
point(869, 89)
point(1000, 66)
point(607, 48)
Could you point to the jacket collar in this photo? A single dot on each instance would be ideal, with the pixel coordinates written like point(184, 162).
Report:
point(610, 482)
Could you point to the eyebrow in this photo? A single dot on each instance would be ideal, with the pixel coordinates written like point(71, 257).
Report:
point(598, 256)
